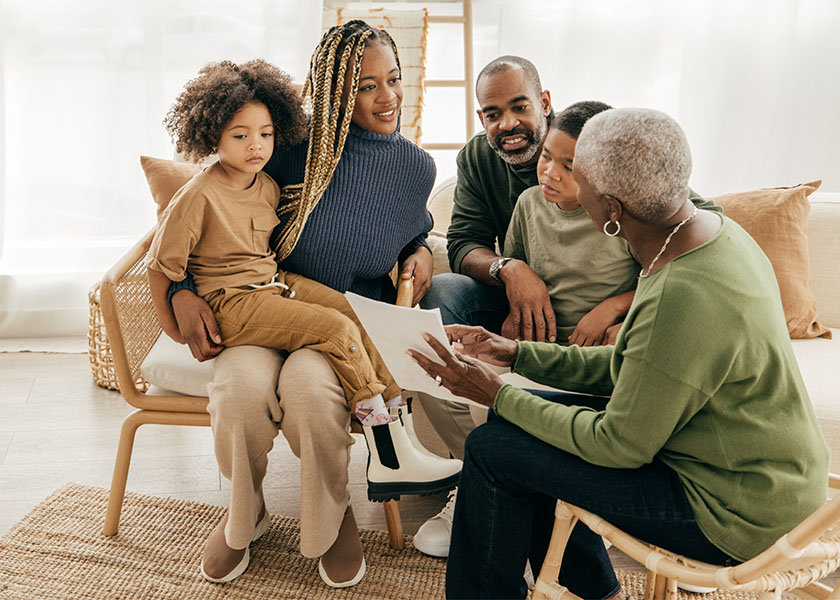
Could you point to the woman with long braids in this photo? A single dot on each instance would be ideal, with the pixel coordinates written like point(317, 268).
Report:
point(353, 205)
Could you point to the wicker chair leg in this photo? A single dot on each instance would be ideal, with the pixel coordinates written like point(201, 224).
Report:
point(120, 477)
point(564, 522)
point(671, 589)
point(392, 519)
point(654, 586)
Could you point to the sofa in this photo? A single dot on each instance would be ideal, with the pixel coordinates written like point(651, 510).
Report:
point(171, 367)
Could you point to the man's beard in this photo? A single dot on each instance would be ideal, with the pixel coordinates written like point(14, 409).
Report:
point(526, 153)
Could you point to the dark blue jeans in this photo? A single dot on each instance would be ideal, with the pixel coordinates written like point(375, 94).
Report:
point(505, 512)
point(464, 300)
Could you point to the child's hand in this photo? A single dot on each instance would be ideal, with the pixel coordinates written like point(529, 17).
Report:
point(591, 329)
point(611, 334)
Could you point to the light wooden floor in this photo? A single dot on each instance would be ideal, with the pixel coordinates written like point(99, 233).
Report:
point(57, 426)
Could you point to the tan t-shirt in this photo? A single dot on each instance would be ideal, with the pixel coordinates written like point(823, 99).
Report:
point(220, 234)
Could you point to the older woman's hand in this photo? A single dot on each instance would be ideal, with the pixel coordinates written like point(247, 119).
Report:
point(419, 265)
point(462, 375)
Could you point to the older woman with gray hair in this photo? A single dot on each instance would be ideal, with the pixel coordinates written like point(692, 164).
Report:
point(694, 432)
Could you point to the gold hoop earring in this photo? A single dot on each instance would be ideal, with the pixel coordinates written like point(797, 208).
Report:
point(614, 233)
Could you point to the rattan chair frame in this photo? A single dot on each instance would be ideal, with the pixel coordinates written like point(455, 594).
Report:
point(795, 563)
point(132, 327)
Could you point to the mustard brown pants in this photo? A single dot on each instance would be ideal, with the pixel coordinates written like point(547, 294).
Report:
point(318, 317)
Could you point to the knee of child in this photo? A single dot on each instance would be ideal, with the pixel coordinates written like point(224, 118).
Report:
point(343, 330)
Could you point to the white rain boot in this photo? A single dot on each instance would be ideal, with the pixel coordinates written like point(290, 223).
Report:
point(396, 467)
point(403, 413)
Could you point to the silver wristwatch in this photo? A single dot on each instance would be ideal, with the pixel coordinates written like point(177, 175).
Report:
point(496, 268)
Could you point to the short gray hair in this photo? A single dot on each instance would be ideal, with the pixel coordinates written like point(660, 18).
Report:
point(640, 156)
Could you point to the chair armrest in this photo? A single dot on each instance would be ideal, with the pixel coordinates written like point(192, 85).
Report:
point(132, 327)
point(405, 293)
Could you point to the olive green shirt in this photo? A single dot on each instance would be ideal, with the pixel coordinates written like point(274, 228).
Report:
point(703, 378)
point(580, 266)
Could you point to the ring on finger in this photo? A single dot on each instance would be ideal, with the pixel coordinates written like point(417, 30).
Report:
point(438, 380)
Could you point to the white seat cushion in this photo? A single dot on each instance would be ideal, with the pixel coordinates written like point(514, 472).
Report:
point(171, 366)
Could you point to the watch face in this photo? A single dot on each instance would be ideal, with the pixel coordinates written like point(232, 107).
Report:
point(496, 267)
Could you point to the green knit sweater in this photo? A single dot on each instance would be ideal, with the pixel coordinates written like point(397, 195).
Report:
point(703, 378)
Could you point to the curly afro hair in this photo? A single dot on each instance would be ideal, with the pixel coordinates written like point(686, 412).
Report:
point(208, 102)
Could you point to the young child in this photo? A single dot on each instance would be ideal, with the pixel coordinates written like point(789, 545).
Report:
point(218, 227)
point(592, 281)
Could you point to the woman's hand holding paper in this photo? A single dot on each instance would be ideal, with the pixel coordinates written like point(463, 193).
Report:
point(462, 374)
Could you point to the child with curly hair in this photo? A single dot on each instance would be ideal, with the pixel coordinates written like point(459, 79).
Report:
point(218, 227)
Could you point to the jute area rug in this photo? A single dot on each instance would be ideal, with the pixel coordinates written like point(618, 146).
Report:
point(58, 552)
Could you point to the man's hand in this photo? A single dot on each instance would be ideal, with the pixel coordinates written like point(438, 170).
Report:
point(419, 265)
point(531, 315)
point(197, 325)
point(462, 375)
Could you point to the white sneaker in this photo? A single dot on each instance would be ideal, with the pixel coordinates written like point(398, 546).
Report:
point(396, 467)
point(433, 536)
point(529, 576)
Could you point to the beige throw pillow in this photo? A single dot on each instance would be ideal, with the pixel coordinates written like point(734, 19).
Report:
point(166, 177)
point(777, 218)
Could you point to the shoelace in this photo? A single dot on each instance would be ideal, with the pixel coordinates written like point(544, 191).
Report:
point(448, 511)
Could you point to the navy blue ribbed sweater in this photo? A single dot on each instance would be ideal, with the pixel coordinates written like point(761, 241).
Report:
point(372, 214)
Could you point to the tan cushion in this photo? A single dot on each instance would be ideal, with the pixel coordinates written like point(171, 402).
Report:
point(777, 218)
point(166, 177)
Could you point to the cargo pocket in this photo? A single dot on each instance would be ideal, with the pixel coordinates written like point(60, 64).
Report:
point(262, 226)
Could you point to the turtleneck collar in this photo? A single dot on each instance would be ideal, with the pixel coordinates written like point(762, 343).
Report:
point(364, 134)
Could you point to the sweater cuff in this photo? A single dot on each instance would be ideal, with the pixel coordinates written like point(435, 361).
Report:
point(409, 249)
point(176, 286)
point(500, 399)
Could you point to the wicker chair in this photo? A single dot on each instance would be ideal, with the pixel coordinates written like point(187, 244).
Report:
point(132, 328)
point(795, 563)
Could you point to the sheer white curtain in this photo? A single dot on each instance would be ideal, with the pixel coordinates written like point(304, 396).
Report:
point(86, 85)
point(755, 83)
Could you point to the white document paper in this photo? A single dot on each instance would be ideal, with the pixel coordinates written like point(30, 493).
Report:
point(395, 329)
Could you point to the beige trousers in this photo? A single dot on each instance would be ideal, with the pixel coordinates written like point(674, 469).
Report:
point(453, 421)
point(251, 397)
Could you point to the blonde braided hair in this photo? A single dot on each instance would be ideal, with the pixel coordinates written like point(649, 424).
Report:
point(340, 46)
